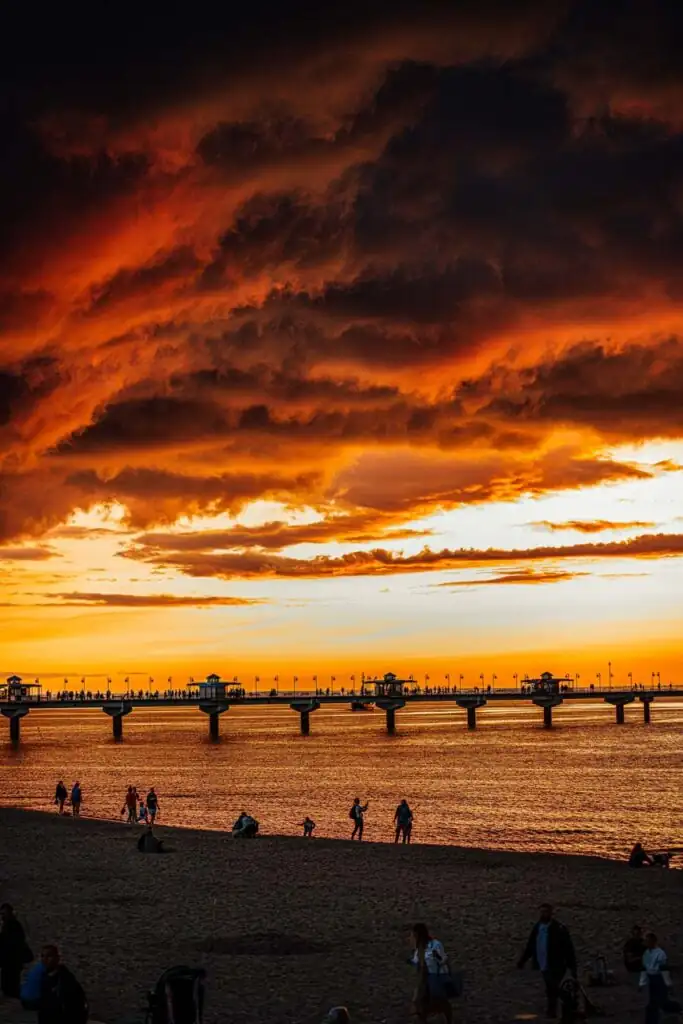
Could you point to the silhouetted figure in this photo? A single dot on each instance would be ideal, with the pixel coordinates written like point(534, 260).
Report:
point(148, 842)
point(356, 814)
point(634, 947)
point(638, 858)
point(152, 805)
point(656, 977)
point(76, 799)
point(308, 825)
point(550, 949)
point(60, 796)
point(245, 827)
point(14, 952)
point(61, 1000)
point(403, 819)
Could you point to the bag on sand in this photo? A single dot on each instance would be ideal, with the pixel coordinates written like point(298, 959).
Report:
point(178, 997)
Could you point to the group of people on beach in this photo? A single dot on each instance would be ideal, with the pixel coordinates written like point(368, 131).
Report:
point(403, 821)
point(49, 987)
point(140, 809)
point(75, 798)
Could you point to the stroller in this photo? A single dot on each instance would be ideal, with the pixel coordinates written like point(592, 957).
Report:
point(575, 1004)
point(178, 997)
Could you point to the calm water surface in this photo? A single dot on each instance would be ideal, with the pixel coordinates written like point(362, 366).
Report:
point(586, 787)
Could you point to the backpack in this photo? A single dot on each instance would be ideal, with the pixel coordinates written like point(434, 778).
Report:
point(178, 997)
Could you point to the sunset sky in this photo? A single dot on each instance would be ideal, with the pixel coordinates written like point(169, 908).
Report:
point(342, 337)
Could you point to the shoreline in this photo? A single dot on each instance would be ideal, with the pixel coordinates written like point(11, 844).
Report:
point(287, 927)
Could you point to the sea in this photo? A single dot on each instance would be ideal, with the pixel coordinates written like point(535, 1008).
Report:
point(586, 787)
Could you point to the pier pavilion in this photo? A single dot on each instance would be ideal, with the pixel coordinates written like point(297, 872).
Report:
point(214, 697)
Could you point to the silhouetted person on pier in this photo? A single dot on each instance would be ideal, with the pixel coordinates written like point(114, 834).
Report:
point(550, 949)
point(403, 818)
point(60, 796)
point(14, 952)
point(308, 825)
point(356, 814)
point(76, 799)
point(638, 858)
point(658, 981)
point(634, 947)
point(152, 805)
point(61, 1000)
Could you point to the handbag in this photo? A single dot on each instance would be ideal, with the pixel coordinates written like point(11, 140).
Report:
point(451, 983)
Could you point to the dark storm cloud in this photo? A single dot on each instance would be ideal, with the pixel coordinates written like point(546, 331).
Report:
point(280, 242)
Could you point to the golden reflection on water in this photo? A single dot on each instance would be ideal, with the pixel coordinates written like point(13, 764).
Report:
point(587, 786)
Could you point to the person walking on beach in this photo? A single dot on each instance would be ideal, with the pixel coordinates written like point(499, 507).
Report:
point(14, 952)
point(61, 999)
point(131, 805)
point(551, 951)
point(308, 825)
point(403, 818)
point(76, 799)
point(435, 986)
point(634, 947)
point(152, 805)
point(656, 978)
point(356, 815)
point(60, 796)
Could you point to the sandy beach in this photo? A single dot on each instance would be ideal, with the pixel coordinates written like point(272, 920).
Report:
point(287, 928)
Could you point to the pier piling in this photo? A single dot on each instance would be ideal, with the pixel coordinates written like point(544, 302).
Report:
point(472, 717)
point(390, 706)
point(304, 709)
point(548, 716)
point(15, 716)
point(116, 712)
point(214, 709)
point(619, 702)
point(646, 710)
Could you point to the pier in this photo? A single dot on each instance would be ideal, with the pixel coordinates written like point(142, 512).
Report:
point(214, 697)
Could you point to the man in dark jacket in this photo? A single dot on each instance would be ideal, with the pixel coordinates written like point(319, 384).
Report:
point(551, 951)
point(62, 1000)
point(14, 952)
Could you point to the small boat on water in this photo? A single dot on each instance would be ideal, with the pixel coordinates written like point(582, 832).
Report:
point(361, 705)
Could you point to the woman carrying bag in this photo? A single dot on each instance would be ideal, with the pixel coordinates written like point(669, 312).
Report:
point(436, 984)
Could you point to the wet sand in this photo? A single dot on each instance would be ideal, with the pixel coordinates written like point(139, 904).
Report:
point(287, 928)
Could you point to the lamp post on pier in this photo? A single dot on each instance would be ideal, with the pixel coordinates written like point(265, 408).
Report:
point(598, 676)
point(448, 681)
point(515, 676)
point(257, 680)
point(609, 671)
point(461, 680)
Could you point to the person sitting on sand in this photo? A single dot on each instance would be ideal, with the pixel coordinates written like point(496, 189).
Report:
point(550, 949)
point(356, 814)
point(60, 796)
point(431, 996)
point(245, 827)
point(308, 825)
point(403, 817)
point(148, 842)
point(61, 1000)
point(76, 799)
point(656, 978)
point(638, 858)
point(14, 952)
point(634, 947)
point(337, 1015)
